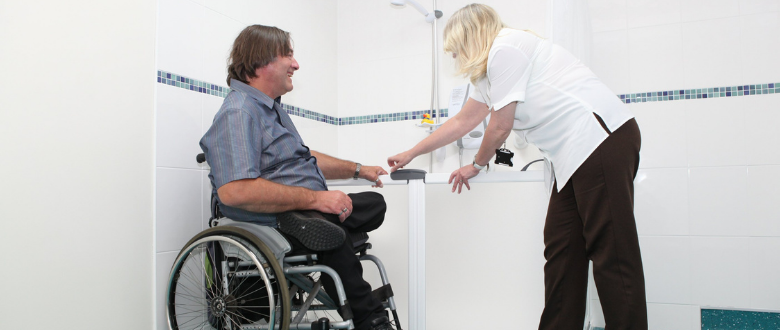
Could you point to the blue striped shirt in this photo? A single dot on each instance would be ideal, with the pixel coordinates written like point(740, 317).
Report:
point(253, 137)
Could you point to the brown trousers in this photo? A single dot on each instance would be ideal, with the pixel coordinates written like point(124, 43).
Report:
point(592, 218)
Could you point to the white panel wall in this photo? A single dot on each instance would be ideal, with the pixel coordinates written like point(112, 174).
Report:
point(194, 39)
point(76, 138)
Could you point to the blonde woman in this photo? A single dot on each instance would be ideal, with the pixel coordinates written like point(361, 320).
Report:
point(590, 142)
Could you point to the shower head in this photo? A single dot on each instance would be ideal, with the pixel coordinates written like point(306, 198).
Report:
point(429, 17)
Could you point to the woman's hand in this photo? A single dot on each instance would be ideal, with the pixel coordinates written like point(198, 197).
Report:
point(461, 176)
point(399, 161)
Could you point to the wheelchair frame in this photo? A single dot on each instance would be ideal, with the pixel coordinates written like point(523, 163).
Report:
point(218, 278)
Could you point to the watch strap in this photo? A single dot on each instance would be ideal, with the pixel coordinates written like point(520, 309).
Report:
point(357, 171)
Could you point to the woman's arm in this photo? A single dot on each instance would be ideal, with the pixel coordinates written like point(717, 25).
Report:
point(498, 130)
point(470, 116)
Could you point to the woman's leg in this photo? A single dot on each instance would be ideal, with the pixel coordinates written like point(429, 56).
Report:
point(566, 269)
point(604, 192)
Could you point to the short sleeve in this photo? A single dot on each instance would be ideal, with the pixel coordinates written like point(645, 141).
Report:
point(509, 70)
point(230, 147)
point(475, 93)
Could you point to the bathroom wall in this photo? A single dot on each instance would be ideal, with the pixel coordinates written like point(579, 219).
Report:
point(193, 42)
point(703, 193)
point(704, 198)
point(76, 153)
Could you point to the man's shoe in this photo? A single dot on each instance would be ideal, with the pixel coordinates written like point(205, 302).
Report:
point(381, 323)
point(311, 229)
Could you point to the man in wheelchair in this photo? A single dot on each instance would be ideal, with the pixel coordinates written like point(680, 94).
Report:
point(261, 170)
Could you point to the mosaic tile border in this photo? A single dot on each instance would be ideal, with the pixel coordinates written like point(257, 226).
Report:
point(172, 79)
point(195, 85)
point(701, 93)
point(180, 81)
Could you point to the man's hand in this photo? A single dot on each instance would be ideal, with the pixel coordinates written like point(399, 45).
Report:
point(334, 202)
point(372, 173)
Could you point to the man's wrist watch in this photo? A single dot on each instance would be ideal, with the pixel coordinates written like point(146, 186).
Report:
point(357, 171)
point(480, 167)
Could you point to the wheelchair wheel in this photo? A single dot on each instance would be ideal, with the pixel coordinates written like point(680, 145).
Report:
point(226, 278)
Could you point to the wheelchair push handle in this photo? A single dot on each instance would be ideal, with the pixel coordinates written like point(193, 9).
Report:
point(200, 158)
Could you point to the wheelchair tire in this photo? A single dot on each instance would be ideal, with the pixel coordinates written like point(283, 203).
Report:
point(223, 279)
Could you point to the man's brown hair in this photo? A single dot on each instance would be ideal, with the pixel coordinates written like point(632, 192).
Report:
point(255, 47)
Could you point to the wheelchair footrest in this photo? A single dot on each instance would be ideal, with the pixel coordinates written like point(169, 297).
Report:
point(383, 293)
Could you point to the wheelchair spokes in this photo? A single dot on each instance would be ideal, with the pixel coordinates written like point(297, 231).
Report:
point(220, 283)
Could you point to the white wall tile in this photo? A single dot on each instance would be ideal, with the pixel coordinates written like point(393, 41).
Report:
point(234, 9)
point(667, 265)
point(697, 10)
point(764, 268)
point(661, 202)
point(747, 7)
point(720, 272)
point(716, 132)
point(178, 126)
point(179, 46)
point(708, 63)
point(761, 138)
point(162, 271)
point(179, 209)
point(759, 45)
point(695, 317)
point(219, 32)
point(664, 133)
point(669, 317)
point(608, 15)
point(762, 198)
point(656, 58)
point(609, 60)
point(718, 201)
point(653, 12)
point(318, 136)
point(384, 32)
point(385, 86)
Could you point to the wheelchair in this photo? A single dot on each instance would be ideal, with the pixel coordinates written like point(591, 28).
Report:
point(241, 275)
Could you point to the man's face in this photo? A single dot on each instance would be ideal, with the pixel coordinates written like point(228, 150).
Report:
point(278, 74)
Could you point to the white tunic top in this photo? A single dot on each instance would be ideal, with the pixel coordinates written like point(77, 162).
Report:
point(557, 96)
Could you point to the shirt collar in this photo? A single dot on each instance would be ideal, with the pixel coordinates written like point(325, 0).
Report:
point(253, 92)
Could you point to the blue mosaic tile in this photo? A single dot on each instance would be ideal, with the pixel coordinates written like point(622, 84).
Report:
point(719, 319)
point(173, 79)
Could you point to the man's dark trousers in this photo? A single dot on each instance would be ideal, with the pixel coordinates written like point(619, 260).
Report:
point(368, 213)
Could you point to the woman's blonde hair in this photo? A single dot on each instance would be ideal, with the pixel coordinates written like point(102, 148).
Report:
point(469, 33)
